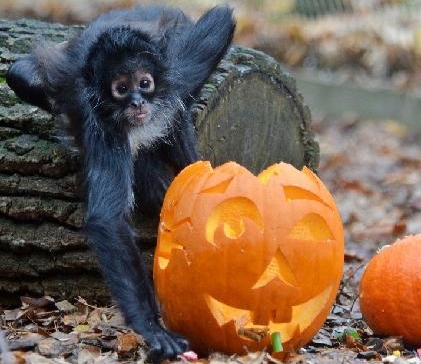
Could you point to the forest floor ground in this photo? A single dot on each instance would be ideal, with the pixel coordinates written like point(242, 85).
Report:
point(373, 170)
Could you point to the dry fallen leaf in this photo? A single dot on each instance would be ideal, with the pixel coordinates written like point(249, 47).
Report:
point(24, 340)
point(51, 347)
point(127, 344)
point(65, 306)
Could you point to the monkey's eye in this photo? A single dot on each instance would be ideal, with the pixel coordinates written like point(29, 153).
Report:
point(146, 83)
point(122, 89)
point(119, 89)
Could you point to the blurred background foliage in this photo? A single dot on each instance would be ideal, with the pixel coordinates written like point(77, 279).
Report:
point(366, 40)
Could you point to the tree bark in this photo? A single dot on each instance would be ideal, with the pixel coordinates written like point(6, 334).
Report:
point(249, 111)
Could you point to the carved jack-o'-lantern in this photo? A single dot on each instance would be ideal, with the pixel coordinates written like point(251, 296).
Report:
point(240, 257)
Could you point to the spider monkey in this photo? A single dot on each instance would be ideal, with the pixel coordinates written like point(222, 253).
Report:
point(126, 84)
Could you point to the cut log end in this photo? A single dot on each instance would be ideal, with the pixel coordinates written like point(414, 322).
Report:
point(254, 115)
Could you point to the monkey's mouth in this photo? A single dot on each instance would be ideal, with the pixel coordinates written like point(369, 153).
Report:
point(140, 114)
point(137, 116)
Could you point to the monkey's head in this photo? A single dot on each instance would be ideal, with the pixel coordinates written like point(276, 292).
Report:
point(128, 85)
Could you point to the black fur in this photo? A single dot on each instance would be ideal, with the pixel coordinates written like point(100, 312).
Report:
point(124, 161)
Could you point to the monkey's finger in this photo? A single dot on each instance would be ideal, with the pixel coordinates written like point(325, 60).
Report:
point(165, 345)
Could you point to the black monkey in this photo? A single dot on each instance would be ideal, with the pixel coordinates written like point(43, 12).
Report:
point(126, 84)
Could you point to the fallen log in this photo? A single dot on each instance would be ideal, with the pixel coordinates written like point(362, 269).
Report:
point(249, 111)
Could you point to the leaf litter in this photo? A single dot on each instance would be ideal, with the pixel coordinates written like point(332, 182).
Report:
point(371, 168)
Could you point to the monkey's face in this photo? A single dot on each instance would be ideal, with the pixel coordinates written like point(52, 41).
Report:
point(132, 97)
point(137, 103)
point(130, 87)
point(138, 100)
point(133, 93)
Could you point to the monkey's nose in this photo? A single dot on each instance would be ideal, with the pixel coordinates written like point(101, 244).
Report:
point(136, 102)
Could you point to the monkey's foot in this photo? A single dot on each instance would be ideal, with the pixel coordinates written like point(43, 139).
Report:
point(163, 344)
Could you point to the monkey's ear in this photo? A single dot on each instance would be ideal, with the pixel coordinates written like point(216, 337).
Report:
point(195, 53)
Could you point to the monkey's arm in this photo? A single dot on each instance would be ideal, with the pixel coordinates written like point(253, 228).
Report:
point(198, 49)
point(109, 175)
point(25, 79)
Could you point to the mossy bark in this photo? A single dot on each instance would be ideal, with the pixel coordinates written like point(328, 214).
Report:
point(249, 111)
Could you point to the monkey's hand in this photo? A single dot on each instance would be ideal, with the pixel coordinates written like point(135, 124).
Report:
point(24, 78)
point(111, 238)
point(163, 344)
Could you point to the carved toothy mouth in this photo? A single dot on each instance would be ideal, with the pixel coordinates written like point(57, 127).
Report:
point(241, 320)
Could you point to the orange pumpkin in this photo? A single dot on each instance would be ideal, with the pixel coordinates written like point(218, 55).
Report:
point(390, 290)
point(240, 257)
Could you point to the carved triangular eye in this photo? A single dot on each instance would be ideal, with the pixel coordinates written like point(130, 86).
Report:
point(311, 227)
